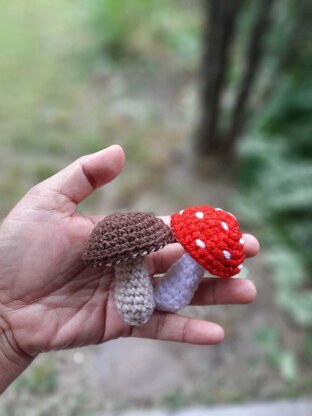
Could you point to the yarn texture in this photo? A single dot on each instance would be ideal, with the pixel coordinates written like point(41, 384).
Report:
point(177, 288)
point(212, 237)
point(134, 293)
point(120, 237)
point(123, 240)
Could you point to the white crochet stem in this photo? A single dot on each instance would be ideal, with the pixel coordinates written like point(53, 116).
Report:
point(134, 293)
point(176, 289)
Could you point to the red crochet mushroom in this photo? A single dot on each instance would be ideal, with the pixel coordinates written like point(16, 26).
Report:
point(212, 241)
point(212, 237)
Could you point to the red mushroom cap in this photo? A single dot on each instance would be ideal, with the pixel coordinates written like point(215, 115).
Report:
point(212, 237)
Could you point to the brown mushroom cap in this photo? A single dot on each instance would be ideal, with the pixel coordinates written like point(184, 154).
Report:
point(121, 237)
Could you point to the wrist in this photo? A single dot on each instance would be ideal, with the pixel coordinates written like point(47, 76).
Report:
point(12, 362)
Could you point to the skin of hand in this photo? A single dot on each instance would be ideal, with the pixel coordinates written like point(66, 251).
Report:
point(49, 300)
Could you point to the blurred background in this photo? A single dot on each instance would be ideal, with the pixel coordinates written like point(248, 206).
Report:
point(212, 102)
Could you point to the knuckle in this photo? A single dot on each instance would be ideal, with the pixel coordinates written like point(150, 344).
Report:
point(160, 325)
point(186, 331)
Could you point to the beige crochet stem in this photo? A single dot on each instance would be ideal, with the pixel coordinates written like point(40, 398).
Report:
point(134, 293)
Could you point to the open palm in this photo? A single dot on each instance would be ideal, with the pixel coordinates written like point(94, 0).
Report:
point(49, 300)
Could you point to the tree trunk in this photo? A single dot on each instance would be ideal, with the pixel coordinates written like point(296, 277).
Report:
point(212, 140)
point(292, 44)
point(253, 60)
point(220, 17)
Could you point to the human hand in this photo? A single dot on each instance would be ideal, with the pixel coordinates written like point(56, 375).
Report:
point(49, 300)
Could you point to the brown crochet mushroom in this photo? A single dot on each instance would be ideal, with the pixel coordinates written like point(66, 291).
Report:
point(123, 240)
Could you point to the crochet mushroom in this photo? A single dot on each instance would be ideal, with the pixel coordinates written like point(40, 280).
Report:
point(123, 240)
point(212, 241)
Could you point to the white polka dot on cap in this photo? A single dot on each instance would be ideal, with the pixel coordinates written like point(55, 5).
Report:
point(225, 226)
point(200, 243)
point(227, 254)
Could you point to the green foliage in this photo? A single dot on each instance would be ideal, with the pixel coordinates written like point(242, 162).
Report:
point(276, 169)
point(283, 360)
point(174, 401)
point(41, 379)
point(144, 28)
point(289, 115)
point(290, 277)
point(276, 176)
point(33, 36)
point(277, 199)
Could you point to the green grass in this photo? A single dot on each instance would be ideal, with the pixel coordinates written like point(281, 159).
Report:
point(145, 29)
point(37, 91)
point(41, 379)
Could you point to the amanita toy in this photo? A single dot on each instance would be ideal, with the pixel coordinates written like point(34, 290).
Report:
point(212, 241)
point(123, 240)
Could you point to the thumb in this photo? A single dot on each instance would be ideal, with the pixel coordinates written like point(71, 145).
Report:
point(78, 180)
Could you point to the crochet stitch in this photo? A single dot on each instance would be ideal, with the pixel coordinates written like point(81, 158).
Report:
point(122, 240)
point(134, 293)
point(212, 237)
point(177, 288)
point(121, 237)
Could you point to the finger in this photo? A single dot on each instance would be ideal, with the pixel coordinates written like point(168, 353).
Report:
point(82, 177)
point(251, 246)
point(162, 260)
point(215, 291)
point(177, 328)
